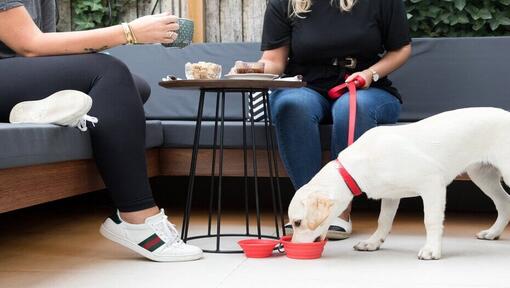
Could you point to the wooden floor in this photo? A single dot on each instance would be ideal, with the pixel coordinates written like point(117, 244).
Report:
point(61, 247)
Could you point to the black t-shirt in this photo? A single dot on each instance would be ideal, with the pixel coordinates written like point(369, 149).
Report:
point(325, 33)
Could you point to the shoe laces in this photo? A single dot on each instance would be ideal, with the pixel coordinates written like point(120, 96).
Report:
point(81, 123)
point(167, 232)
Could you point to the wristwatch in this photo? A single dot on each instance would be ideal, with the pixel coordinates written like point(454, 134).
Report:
point(375, 75)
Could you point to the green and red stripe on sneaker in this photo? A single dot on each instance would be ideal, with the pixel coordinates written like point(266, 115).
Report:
point(152, 243)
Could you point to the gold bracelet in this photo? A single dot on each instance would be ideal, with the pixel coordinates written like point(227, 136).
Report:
point(132, 34)
point(128, 34)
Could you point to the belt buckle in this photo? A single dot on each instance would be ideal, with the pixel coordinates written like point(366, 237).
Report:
point(353, 63)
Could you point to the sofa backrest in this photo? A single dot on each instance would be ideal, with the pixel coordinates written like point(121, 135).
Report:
point(450, 73)
point(153, 62)
point(442, 74)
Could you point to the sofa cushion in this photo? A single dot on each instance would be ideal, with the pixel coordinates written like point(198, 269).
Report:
point(180, 134)
point(153, 134)
point(31, 144)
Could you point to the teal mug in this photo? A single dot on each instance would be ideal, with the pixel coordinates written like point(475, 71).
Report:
point(185, 34)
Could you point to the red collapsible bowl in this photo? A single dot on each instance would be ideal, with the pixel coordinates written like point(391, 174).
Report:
point(302, 250)
point(258, 248)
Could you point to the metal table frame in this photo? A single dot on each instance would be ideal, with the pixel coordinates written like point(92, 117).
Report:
point(272, 163)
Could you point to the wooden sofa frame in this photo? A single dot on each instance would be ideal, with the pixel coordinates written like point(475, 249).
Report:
point(31, 185)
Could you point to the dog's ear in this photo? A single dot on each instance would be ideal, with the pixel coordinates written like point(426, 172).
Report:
point(318, 207)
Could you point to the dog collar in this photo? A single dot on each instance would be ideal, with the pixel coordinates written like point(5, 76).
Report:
point(349, 181)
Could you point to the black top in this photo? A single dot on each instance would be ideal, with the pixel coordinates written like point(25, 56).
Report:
point(325, 33)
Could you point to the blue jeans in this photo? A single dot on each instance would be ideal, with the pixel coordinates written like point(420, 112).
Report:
point(297, 114)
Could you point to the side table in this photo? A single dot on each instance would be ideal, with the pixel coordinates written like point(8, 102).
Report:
point(245, 88)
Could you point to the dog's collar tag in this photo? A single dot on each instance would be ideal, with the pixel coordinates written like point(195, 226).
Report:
point(349, 181)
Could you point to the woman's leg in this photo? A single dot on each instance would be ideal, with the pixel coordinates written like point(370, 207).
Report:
point(296, 114)
point(117, 140)
point(375, 106)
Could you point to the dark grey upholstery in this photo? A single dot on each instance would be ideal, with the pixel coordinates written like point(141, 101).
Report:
point(179, 134)
point(443, 74)
point(31, 144)
point(451, 73)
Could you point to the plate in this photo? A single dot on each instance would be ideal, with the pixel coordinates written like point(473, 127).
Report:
point(251, 76)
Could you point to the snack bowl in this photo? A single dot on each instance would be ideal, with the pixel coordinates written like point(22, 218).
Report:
point(258, 248)
point(302, 250)
point(202, 71)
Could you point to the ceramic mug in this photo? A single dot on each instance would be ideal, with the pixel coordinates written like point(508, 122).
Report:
point(185, 34)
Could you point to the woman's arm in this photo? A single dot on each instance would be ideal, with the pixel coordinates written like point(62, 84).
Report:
point(275, 60)
point(19, 32)
point(391, 61)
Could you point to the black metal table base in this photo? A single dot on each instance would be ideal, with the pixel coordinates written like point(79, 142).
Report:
point(217, 178)
point(229, 235)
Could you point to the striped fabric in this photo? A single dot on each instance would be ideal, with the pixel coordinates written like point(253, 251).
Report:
point(258, 107)
point(152, 243)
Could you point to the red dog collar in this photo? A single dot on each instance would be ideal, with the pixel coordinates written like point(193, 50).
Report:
point(349, 181)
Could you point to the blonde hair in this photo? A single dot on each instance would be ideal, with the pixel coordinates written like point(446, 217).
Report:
point(300, 7)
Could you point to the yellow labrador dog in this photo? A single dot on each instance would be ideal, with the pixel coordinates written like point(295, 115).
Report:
point(418, 159)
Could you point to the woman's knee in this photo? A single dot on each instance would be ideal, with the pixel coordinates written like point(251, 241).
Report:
point(366, 106)
point(297, 104)
point(116, 68)
point(109, 66)
point(144, 89)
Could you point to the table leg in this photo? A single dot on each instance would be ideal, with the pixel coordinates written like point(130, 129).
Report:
point(255, 180)
point(270, 162)
point(220, 174)
point(275, 159)
point(213, 167)
point(245, 157)
point(191, 183)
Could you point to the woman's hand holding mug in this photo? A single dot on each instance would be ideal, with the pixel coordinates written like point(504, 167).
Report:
point(159, 28)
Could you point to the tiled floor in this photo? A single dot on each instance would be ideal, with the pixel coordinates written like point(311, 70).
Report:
point(63, 249)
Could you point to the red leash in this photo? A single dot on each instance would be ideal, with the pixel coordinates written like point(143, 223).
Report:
point(335, 93)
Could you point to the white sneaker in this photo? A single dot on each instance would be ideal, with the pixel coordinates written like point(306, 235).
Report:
point(157, 239)
point(66, 108)
point(338, 230)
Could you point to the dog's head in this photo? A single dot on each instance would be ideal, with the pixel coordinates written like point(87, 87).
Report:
point(311, 211)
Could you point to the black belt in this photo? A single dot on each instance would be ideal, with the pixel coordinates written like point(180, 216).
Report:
point(348, 62)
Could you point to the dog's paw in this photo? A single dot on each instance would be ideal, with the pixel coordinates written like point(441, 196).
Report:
point(368, 245)
point(487, 235)
point(429, 253)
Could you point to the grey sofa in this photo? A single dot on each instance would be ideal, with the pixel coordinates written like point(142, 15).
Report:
point(40, 163)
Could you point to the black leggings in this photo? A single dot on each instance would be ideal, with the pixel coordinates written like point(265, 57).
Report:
point(118, 140)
